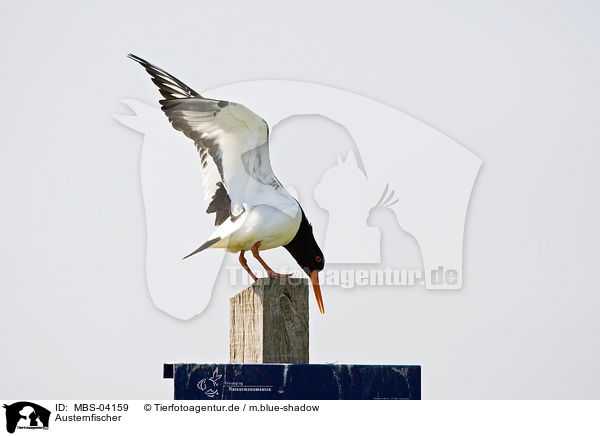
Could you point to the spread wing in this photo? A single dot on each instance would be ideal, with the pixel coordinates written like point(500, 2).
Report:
point(231, 139)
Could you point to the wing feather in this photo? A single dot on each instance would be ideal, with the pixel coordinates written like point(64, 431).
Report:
point(168, 85)
point(226, 131)
point(222, 131)
point(231, 139)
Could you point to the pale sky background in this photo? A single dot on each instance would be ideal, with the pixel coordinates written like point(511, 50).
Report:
point(515, 82)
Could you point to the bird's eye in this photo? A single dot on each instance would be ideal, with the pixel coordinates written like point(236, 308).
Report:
point(318, 259)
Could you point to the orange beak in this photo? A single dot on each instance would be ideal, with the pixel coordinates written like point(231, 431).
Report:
point(314, 278)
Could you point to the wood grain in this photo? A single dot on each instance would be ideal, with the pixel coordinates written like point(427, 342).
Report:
point(269, 322)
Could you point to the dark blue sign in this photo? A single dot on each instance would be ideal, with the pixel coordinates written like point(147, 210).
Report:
point(294, 381)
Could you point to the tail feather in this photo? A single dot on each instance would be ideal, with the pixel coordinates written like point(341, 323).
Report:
point(204, 246)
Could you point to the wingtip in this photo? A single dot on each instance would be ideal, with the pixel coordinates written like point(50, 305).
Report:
point(135, 58)
point(169, 86)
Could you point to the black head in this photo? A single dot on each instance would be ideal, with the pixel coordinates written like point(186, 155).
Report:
point(309, 256)
point(304, 248)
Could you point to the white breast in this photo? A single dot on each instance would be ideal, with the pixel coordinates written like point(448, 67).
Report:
point(271, 226)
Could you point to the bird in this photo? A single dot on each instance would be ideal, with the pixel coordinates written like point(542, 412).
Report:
point(253, 211)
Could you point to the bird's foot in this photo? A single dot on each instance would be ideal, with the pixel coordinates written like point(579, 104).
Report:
point(270, 273)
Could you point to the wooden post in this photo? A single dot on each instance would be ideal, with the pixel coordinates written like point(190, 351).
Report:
point(269, 322)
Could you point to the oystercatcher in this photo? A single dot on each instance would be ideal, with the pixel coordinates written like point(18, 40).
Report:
point(253, 211)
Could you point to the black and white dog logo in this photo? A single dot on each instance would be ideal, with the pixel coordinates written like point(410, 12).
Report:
point(24, 414)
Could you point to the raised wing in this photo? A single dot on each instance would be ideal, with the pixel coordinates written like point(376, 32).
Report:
point(170, 87)
point(231, 139)
point(229, 133)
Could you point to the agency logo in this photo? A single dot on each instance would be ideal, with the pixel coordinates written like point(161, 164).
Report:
point(26, 415)
point(210, 385)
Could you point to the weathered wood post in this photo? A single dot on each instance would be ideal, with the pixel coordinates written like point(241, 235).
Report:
point(269, 322)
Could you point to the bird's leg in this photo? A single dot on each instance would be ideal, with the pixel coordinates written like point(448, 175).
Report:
point(244, 264)
point(270, 272)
